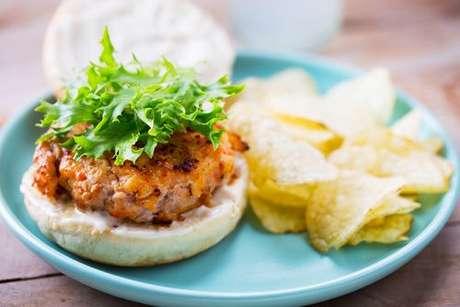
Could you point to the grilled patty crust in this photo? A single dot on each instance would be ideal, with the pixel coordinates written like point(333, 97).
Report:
point(182, 175)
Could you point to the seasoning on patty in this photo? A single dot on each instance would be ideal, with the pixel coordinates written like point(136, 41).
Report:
point(182, 175)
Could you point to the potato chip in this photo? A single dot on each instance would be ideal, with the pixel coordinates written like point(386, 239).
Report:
point(291, 81)
point(393, 204)
point(341, 118)
point(338, 209)
point(273, 154)
point(409, 125)
point(348, 108)
point(382, 153)
point(285, 195)
point(352, 196)
point(385, 230)
point(341, 110)
point(363, 158)
point(278, 219)
point(294, 81)
point(383, 138)
point(296, 105)
point(373, 91)
point(299, 121)
point(433, 144)
point(422, 171)
point(311, 132)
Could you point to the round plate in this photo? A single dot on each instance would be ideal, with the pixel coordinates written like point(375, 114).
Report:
point(250, 266)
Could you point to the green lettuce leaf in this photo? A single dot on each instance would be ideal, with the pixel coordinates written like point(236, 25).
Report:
point(130, 109)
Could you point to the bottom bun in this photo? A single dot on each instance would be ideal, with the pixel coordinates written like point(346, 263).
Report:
point(99, 237)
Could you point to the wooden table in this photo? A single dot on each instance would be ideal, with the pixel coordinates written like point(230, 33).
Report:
point(419, 41)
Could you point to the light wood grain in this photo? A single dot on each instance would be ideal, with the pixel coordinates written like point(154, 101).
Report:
point(419, 41)
point(56, 291)
point(17, 261)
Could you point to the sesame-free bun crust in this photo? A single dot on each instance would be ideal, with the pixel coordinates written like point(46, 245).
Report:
point(150, 29)
point(101, 238)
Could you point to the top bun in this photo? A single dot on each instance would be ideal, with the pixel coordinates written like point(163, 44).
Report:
point(150, 29)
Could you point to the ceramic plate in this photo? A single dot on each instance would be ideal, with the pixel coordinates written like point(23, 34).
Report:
point(250, 266)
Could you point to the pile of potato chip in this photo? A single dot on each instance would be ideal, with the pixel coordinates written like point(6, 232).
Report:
point(328, 164)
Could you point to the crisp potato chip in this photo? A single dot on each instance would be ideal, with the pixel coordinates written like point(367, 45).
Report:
point(373, 91)
point(276, 218)
point(273, 154)
point(285, 195)
point(311, 132)
point(446, 167)
point(382, 153)
point(297, 105)
point(294, 81)
point(413, 196)
point(409, 125)
point(341, 110)
point(341, 118)
point(433, 144)
point(347, 120)
point(383, 138)
point(422, 171)
point(363, 158)
point(385, 230)
point(299, 121)
point(393, 204)
point(338, 209)
point(348, 108)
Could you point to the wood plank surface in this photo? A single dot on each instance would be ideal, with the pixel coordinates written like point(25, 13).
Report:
point(419, 41)
point(17, 261)
point(56, 291)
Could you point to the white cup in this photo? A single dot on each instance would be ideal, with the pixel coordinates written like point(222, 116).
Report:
point(292, 25)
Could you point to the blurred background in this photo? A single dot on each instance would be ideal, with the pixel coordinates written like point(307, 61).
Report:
point(418, 40)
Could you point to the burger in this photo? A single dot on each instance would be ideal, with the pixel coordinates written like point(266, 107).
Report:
point(136, 167)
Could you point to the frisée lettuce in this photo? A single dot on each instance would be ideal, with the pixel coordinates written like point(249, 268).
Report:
point(130, 109)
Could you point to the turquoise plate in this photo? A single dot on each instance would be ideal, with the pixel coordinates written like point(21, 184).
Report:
point(250, 266)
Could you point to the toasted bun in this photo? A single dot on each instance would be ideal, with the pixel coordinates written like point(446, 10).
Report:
point(150, 29)
point(101, 238)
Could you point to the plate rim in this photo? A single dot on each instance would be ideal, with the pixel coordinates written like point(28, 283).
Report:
point(342, 285)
